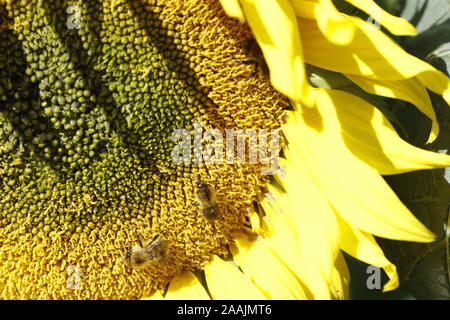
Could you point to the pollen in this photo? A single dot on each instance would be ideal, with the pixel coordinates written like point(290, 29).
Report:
point(90, 94)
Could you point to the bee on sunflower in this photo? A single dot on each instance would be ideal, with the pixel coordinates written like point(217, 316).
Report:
point(87, 116)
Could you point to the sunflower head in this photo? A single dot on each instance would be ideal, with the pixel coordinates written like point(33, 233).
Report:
point(136, 138)
point(88, 114)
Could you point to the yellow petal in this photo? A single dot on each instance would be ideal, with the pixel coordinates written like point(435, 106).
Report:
point(354, 189)
point(306, 9)
point(363, 246)
point(264, 268)
point(395, 25)
point(340, 279)
point(370, 53)
point(333, 24)
point(274, 26)
point(436, 81)
point(233, 9)
point(353, 123)
point(255, 222)
point(411, 90)
point(186, 287)
point(315, 246)
point(226, 282)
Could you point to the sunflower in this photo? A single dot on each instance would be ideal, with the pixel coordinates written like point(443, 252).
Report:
point(331, 197)
point(90, 166)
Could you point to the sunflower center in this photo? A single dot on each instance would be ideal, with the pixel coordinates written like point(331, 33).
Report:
point(90, 94)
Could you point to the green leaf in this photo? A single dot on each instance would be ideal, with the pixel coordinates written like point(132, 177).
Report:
point(432, 21)
point(391, 6)
point(429, 278)
point(424, 268)
point(425, 15)
point(322, 78)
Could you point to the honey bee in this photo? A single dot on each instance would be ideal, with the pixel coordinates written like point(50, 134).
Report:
point(207, 201)
point(147, 253)
point(256, 58)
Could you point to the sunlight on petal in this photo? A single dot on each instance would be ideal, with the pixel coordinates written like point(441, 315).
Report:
point(186, 287)
point(395, 25)
point(363, 246)
point(305, 9)
point(411, 90)
point(226, 282)
point(332, 23)
point(264, 268)
point(315, 246)
point(355, 189)
point(274, 26)
point(340, 278)
point(355, 124)
point(362, 56)
point(233, 9)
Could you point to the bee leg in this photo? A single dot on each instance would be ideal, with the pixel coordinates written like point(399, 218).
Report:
point(252, 75)
point(196, 204)
point(138, 238)
point(162, 231)
point(265, 69)
point(247, 44)
point(126, 253)
point(246, 62)
point(155, 237)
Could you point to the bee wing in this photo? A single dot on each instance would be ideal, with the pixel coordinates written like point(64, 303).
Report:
point(157, 249)
point(212, 194)
point(126, 254)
